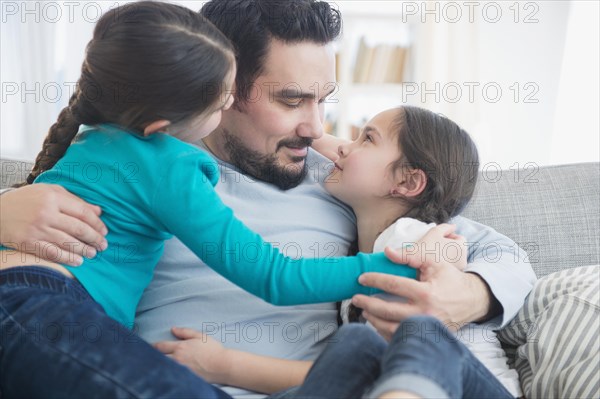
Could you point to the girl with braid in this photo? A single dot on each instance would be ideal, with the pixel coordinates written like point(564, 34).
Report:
point(156, 77)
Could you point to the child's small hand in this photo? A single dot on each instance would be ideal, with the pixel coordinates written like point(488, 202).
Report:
point(204, 355)
point(442, 242)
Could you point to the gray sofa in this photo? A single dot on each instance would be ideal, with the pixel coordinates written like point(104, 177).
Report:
point(553, 213)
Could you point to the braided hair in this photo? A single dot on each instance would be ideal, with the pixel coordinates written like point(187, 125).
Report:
point(146, 61)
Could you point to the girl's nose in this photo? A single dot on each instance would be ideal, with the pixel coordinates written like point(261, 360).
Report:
point(342, 150)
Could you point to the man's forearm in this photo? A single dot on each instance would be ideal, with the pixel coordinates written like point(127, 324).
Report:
point(488, 307)
point(502, 267)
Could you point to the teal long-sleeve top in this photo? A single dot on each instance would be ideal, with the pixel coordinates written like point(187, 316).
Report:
point(151, 188)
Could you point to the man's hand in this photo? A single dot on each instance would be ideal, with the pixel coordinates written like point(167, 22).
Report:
point(443, 242)
point(443, 290)
point(48, 221)
point(202, 354)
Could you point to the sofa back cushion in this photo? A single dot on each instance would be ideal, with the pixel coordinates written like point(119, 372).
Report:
point(13, 172)
point(552, 212)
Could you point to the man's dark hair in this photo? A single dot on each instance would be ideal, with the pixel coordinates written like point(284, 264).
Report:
point(251, 24)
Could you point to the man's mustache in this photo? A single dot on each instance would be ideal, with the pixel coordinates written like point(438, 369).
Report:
point(299, 142)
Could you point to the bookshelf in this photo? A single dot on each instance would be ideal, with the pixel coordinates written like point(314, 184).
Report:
point(373, 59)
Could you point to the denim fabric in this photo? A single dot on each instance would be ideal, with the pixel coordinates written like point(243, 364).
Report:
point(423, 357)
point(289, 393)
point(422, 346)
point(55, 341)
point(349, 365)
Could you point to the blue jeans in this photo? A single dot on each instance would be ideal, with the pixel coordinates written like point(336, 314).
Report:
point(56, 341)
point(423, 358)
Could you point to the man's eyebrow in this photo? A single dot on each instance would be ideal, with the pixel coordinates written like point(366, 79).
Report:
point(295, 94)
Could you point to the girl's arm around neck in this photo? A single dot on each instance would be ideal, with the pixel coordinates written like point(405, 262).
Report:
point(185, 204)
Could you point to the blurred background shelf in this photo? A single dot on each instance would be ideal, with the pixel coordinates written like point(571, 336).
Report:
point(547, 72)
point(373, 59)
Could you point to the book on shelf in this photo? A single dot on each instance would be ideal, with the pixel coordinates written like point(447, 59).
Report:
point(383, 63)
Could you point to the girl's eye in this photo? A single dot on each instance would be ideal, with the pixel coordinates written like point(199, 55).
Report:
point(368, 138)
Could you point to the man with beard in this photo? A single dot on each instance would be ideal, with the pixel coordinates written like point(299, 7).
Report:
point(273, 180)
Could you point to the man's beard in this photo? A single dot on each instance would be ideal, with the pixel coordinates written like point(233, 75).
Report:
point(265, 167)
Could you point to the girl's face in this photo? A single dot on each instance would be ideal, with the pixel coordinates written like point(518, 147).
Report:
point(362, 170)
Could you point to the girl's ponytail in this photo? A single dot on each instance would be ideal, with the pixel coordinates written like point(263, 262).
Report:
point(62, 132)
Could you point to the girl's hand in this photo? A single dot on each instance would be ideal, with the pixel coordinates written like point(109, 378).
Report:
point(210, 360)
point(443, 244)
point(204, 355)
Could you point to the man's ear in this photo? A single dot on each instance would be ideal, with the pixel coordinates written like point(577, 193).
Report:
point(409, 183)
point(156, 126)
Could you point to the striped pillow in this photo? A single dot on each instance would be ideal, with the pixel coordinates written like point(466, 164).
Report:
point(555, 336)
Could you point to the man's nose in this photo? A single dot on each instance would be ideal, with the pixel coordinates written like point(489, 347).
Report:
point(312, 123)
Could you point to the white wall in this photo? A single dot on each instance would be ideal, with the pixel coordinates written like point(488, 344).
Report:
point(534, 56)
point(530, 54)
point(576, 122)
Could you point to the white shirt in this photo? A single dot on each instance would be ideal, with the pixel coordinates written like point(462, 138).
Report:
point(480, 339)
